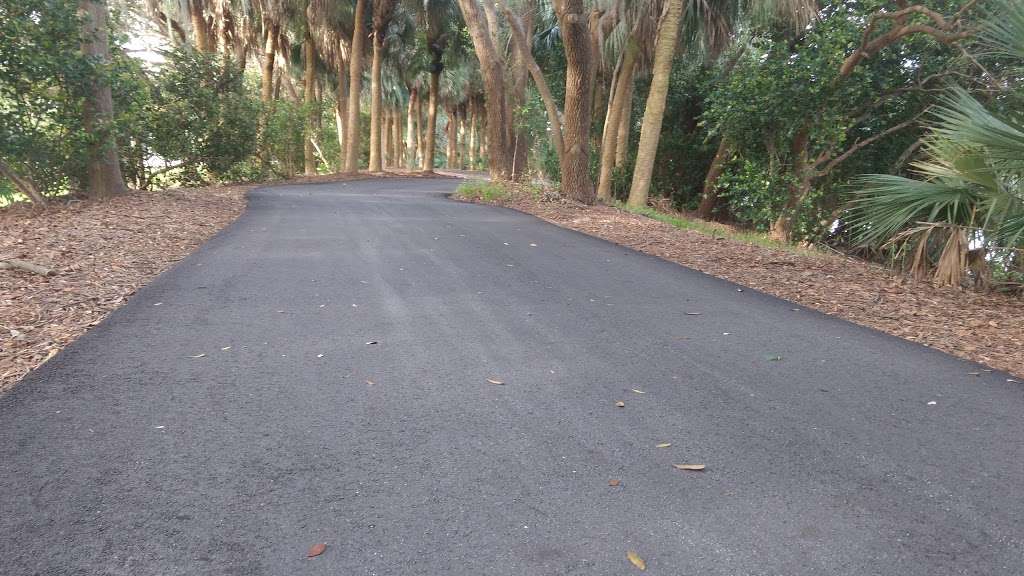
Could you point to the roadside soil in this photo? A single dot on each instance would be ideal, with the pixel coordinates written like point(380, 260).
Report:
point(100, 253)
point(985, 328)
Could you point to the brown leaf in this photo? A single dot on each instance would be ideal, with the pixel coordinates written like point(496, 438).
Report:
point(316, 550)
point(494, 381)
point(691, 467)
point(614, 482)
point(636, 560)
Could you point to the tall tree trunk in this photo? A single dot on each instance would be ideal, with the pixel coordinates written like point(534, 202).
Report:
point(309, 94)
point(625, 128)
point(451, 137)
point(472, 134)
point(421, 139)
point(376, 107)
point(341, 110)
point(654, 111)
point(709, 197)
point(782, 228)
point(385, 138)
point(269, 55)
point(396, 138)
point(355, 78)
point(620, 100)
point(411, 130)
point(520, 39)
point(431, 131)
point(492, 69)
point(200, 30)
point(103, 171)
point(576, 182)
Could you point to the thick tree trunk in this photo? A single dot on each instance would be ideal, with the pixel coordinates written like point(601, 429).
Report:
point(709, 198)
point(654, 111)
point(103, 172)
point(376, 108)
point(492, 69)
point(269, 54)
point(309, 94)
point(625, 128)
point(431, 130)
point(620, 101)
point(355, 78)
point(396, 138)
point(200, 31)
point(341, 111)
point(410, 131)
point(576, 182)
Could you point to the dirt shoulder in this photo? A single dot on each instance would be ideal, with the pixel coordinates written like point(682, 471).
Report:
point(985, 328)
point(100, 254)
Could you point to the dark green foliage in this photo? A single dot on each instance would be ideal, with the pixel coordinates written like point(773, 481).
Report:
point(203, 115)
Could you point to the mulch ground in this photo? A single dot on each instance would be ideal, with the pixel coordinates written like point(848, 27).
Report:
point(985, 328)
point(101, 253)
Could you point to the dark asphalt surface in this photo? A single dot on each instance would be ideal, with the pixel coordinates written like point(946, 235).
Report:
point(124, 455)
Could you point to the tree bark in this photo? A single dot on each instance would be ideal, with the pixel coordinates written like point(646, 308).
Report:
point(620, 100)
point(200, 31)
point(24, 184)
point(431, 130)
point(709, 197)
point(625, 128)
point(269, 54)
point(309, 95)
point(103, 171)
point(654, 111)
point(575, 169)
point(376, 107)
point(492, 69)
point(341, 110)
point(410, 131)
point(355, 78)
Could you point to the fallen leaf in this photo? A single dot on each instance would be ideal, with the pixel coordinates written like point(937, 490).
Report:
point(197, 356)
point(774, 358)
point(663, 445)
point(370, 382)
point(974, 373)
point(614, 482)
point(620, 404)
point(371, 342)
point(694, 467)
point(225, 349)
point(693, 313)
point(494, 381)
point(932, 403)
point(158, 304)
point(639, 391)
point(316, 550)
point(636, 560)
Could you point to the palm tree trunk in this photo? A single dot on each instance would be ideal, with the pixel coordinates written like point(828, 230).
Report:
point(269, 54)
point(709, 198)
point(654, 112)
point(396, 138)
point(472, 134)
point(625, 128)
point(492, 69)
point(355, 78)
point(410, 131)
point(309, 94)
point(199, 29)
point(103, 171)
point(575, 169)
point(376, 109)
point(450, 131)
point(340, 111)
point(620, 100)
point(431, 138)
point(421, 140)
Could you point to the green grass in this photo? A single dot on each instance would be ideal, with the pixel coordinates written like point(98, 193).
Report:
point(481, 190)
point(712, 229)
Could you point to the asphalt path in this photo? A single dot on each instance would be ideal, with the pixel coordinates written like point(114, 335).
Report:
point(321, 372)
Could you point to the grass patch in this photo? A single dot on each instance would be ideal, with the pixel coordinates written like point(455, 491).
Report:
point(712, 229)
point(481, 190)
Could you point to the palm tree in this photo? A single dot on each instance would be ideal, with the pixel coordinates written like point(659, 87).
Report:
point(439, 18)
point(969, 198)
point(355, 86)
point(382, 12)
